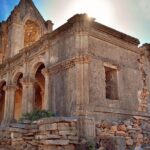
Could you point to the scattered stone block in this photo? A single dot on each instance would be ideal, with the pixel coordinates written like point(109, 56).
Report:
point(48, 136)
point(73, 132)
point(129, 141)
point(55, 142)
point(46, 127)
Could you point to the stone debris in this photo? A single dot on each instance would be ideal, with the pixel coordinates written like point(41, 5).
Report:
point(47, 134)
point(63, 134)
point(135, 133)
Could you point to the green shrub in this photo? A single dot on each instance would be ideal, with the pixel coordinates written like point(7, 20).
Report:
point(90, 146)
point(36, 115)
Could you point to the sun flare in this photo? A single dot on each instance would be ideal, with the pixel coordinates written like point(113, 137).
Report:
point(102, 10)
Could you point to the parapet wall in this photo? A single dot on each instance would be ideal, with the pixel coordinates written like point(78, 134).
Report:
point(64, 133)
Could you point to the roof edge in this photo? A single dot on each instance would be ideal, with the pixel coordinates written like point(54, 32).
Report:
point(104, 28)
point(97, 26)
point(116, 33)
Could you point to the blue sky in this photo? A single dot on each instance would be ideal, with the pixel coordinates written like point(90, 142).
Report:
point(129, 16)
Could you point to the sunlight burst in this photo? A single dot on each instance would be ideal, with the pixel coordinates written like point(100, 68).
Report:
point(102, 10)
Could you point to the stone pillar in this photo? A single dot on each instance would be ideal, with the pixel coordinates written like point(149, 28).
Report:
point(28, 94)
point(24, 98)
point(12, 102)
point(47, 101)
point(86, 123)
point(82, 85)
point(9, 103)
point(5, 117)
point(42, 95)
point(87, 127)
point(1, 58)
point(31, 96)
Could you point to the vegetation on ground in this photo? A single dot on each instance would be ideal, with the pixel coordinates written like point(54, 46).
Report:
point(36, 115)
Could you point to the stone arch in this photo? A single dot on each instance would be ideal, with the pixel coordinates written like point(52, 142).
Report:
point(17, 80)
point(39, 22)
point(2, 99)
point(2, 82)
point(39, 86)
point(36, 63)
point(31, 32)
point(16, 76)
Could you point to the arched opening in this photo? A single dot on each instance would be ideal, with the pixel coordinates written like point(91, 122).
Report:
point(31, 32)
point(18, 97)
point(39, 87)
point(2, 100)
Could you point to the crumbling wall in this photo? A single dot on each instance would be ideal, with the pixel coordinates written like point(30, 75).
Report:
point(131, 134)
point(46, 134)
point(143, 94)
point(65, 133)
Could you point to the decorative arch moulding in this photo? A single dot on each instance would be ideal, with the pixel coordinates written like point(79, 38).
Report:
point(69, 63)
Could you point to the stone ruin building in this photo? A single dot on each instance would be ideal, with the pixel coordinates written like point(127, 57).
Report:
point(88, 74)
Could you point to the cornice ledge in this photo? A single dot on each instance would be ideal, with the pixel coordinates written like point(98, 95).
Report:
point(69, 63)
point(115, 41)
point(115, 33)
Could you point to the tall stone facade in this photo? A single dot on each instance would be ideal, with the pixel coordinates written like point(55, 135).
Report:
point(82, 69)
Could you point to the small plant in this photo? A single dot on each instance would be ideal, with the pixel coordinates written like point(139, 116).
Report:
point(90, 146)
point(36, 115)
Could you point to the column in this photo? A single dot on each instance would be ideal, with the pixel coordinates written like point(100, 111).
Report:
point(5, 117)
point(82, 85)
point(24, 98)
point(42, 95)
point(31, 95)
point(28, 94)
point(12, 102)
point(47, 103)
point(9, 103)
point(86, 123)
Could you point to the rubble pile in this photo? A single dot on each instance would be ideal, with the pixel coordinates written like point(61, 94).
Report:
point(62, 133)
point(46, 134)
point(130, 134)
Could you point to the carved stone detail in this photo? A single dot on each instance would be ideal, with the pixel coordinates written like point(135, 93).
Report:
point(69, 64)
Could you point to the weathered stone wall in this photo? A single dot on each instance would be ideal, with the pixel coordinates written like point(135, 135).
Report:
point(107, 50)
point(68, 133)
point(46, 134)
